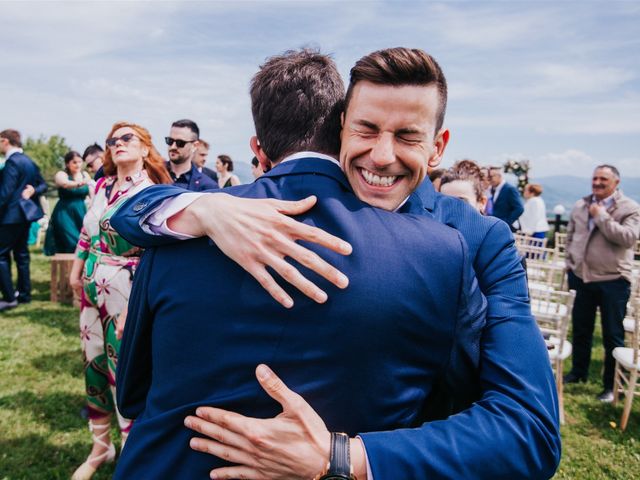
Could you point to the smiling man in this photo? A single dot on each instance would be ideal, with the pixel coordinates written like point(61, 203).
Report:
point(392, 130)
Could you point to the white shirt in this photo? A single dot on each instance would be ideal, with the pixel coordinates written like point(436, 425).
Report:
point(534, 217)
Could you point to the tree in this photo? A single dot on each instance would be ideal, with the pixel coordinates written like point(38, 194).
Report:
point(48, 153)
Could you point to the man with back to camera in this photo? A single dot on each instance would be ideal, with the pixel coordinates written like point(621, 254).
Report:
point(521, 400)
point(506, 203)
point(183, 142)
point(602, 232)
point(21, 185)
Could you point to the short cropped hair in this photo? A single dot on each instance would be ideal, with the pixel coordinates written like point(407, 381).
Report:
point(613, 169)
point(401, 67)
point(92, 150)
point(186, 123)
point(296, 101)
point(255, 162)
point(204, 143)
point(13, 136)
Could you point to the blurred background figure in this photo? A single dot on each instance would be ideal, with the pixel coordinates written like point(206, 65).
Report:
point(224, 166)
point(463, 181)
point(66, 219)
point(102, 275)
point(435, 176)
point(183, 142)
point(533, 220)
point(200, 160)
point(256, 169)
point(486, 188)
point(93, 157)
point(507, 204)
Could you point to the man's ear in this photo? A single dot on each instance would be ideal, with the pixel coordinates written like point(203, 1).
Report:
point(440, 143)
point(264, 161)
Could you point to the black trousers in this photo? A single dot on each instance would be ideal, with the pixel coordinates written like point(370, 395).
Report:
point(612, 297)
point(13, 238)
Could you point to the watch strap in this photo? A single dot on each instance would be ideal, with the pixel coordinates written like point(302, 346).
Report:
point(340, 459)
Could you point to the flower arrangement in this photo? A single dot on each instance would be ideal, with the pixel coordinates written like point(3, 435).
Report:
point(520, 168)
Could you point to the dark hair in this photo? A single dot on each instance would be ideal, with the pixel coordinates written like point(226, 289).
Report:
point(534, 188)
point(296, 101)
point(226, 160)
point(13, 136)
point(91, 150)
point(153, 162)
point(204, 143)
point(70, 155)
point(255, 162)
point(186, 123)
point(467, 171)
point(613, 169)
point(400, 67)
point(436, 173)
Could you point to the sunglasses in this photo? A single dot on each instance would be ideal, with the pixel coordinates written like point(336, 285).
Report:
point(126, 138)
point(179, 143)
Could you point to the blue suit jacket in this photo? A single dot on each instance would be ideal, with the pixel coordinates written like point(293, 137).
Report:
point(198, 325)
point(18, 172)
point(199, 181)
point(508, 207)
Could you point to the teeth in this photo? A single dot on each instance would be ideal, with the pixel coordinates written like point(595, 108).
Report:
point(376, 180)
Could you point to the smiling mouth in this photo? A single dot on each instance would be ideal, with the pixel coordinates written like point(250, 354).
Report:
point(378, 180)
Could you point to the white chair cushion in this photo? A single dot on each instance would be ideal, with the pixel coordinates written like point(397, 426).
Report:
point(628, 324)
point(567, 348)
point(624, 356)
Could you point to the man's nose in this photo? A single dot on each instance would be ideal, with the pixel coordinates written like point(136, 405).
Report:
point(383, 153)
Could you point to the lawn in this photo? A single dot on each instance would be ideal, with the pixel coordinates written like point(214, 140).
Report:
point(41, 395)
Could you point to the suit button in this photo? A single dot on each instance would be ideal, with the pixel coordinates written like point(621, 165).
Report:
point(139, 206)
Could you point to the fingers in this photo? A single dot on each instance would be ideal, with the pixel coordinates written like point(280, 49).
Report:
point(293, 276)
point(236, 472)
point(216, 432)
point(234, 422)
point(276, 388)
point(314, 262)
point(295, 207)
point(225, 452)
point(271, 286)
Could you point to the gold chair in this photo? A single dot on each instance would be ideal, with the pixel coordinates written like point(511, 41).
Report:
point(627, 367)
point(552, 311)
point(545, 275)
point(560, 244)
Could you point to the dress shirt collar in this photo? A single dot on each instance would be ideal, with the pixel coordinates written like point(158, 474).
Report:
point(309, 154)
point(11, 151)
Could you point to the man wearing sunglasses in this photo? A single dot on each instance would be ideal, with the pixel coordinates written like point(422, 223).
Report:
point(183, 142)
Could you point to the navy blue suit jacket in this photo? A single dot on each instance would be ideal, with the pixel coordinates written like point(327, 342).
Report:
point(508, 206)
point(18, 172)
point(199, 181)
point(365, 360)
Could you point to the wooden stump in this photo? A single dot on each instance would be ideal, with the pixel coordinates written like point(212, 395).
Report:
point(60, 288)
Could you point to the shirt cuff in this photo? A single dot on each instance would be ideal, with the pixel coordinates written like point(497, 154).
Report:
point(155, 222)
point(366, 458)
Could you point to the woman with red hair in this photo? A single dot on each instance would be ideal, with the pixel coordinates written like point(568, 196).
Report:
point(102, 274)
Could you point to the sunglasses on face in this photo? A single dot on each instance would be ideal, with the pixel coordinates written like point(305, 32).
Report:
point(179, 143)
point(126, 138)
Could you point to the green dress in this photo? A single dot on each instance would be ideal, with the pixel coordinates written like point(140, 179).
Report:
point(66, 220)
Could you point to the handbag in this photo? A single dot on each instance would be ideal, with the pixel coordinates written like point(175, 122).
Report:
point(30, 210)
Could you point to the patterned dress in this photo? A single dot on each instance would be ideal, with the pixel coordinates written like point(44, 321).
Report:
point(110, 262)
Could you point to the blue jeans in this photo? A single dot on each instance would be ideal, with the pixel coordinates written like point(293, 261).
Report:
point(611, 296)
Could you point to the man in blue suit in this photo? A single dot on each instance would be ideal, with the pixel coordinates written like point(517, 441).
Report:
point(505, 198)
point(512, 397)
point(388, 337)
point(183, 142)
point(20, 188)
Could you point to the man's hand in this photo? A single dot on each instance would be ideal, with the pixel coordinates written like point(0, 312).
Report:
point(258, 233)
point(28, 192)
point(293, 445)
point(595, 210)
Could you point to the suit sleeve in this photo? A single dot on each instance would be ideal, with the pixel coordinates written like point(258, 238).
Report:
point(9, 181)
point(512, 431)
point(133, 375)
point(127, 220)
point(516, 205)
point(40, 185)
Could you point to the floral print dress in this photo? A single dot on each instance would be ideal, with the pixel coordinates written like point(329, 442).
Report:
point(110, 262)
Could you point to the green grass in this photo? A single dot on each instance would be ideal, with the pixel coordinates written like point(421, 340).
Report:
point(42, 435)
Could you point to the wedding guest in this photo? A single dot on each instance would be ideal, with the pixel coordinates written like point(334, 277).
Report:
point(224, 166)
point(533, 220)
point(463, 181)
point(200, 160)
point(102, 274)
point(66, 220)
point(256, 169)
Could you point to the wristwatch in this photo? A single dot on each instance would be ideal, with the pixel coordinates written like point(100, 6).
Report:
point(339, 466)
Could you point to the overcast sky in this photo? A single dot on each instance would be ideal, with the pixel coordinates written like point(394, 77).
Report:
point(555, 82)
